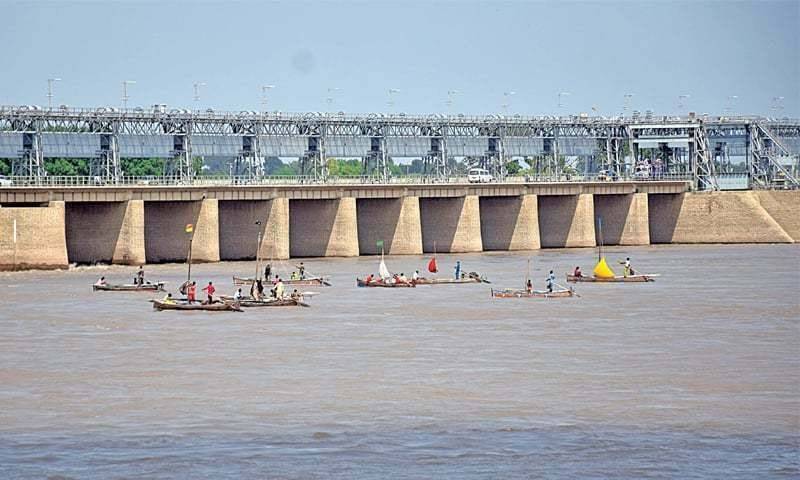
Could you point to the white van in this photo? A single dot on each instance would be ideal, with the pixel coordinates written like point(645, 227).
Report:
point(479, 175)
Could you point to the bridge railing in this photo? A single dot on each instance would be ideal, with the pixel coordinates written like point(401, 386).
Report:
point(280, 180)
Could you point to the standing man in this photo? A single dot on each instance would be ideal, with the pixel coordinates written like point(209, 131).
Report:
point(551, 280)
point(209, 289)
point(302, 270)
point(458, 269)
point(279, 289)
point(140, 276)
point(267, 272)
point(191, 292)
point(627, 270)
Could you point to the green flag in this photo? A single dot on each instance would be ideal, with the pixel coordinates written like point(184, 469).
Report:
point(379, 243)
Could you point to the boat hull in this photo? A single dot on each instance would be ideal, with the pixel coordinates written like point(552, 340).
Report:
point(147, 287)
point(308, 282)
point(214, 307)
point(617, 279)
point(510, 293)
point(449, 281)
point(381, 284)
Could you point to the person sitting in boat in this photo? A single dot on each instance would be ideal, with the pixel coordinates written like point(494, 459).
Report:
point(458, 269)
point(276, 279)
point(191, 292)
point(209, 289)
point(551, 280)
point(268, 272)
point(369, 278)
point(279, 289)
point(140, 276)
point(168, 299)
point(302, 269)
point(102, 282)
point(238, 294)
point(529, 286)
point(577, 272)
point(295, 295)
point(415, 277)
point(403, 278)
point(295, 276)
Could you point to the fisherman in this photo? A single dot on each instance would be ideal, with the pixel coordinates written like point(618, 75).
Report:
point(627, 270)
point(279, 289)
point(259, 290)
point(551, 280)
point(415, 277)
point(238, 294)
point(458, 269)
point(140, 276)
point(295, 295)
point(276, 279)
point(403, 278)
point(101, 282)
point(168, 299)
point(295, 276)
point(369, 278)
point(529, 286)
point(267, 272)
point(209, 289)
point(302, 269)
point(191, 292)
point(577, 272)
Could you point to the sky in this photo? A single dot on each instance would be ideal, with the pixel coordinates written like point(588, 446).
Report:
point(494, 57)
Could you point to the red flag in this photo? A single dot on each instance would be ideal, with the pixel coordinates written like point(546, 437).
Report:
point(432, 265)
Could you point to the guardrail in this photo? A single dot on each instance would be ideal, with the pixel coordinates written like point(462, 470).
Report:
point(280, 180)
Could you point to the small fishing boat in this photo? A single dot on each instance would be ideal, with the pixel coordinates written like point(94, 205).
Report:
point(384, 284)
point(312, 281)
point(511, 293)
point(471, 278)
point(273, 302)
point(127, 287)
point(615, 278)
point(212, 307)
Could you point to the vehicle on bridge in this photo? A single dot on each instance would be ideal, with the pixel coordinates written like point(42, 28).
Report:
point(479, 175)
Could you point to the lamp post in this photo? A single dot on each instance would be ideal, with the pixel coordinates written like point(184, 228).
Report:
point(197, 86)
point(777, 106)
point(50, 82)
point(329, 99)
point(507, 96)
point(449, 101)
point(125, 97)
point(731, 99)
point(391, 92)
point(626, 103)
point(681, 101)
point(560, 95)
point(264, 89)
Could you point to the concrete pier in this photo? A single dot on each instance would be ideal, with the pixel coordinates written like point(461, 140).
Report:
point(451, 224)
point(784, 208)
point(41, 241)
point(712, 217)
point(510, 223)
point(323, 228)
point(625, 219)
point(239, 233)
point(166, 239)
point(396, 221)
point(567, 221)
point(111, 232)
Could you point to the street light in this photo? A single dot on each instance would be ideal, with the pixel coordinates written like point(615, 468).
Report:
point(50, 82)
point(450, 94)
point(627, 103)
point(681, 101)
point(562, 94)
point(197, 86)
point(392, 91)
point(264, 89)
point(329, 99)
point(778, 104)
point(731, 99)
point(125, 97)
point(507, 102)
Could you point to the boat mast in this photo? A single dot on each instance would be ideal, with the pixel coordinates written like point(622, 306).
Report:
point(258, 249)
point(600, 238)
point(190, 227)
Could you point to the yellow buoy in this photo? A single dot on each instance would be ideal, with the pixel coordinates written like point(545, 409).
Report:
point(602, 270)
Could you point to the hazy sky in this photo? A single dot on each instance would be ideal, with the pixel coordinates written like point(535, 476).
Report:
point(596, 51)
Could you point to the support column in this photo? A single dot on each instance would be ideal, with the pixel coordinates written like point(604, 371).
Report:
point(567, 221)
point(510, 223)
point(451, 224)
point(41, 241)
point(625, 219)
point(323, 228)
point(238, 231)
point(396, 221)
point(165, 236)
point(105, 232)
point(205, 245)
point(129, 248)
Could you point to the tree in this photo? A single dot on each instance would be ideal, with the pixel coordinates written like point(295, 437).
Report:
point(5, 166)
point(62, 167)
point(142, 167)
point(344, 168)
point(513, 167)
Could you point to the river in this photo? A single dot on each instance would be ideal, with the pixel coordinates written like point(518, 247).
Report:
point(696, 375)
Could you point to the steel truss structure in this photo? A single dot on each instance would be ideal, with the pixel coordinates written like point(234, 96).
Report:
point(552, 146)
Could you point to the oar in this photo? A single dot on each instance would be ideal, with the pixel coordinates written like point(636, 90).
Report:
point(565, 288)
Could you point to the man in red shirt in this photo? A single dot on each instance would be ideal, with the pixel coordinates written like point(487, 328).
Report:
point(191, 292)
point(209, 289)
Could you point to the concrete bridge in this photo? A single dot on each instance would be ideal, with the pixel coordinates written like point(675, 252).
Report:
point(51, 227)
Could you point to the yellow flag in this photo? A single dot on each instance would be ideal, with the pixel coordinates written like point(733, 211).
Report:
point(602, 270)
point(189, 228)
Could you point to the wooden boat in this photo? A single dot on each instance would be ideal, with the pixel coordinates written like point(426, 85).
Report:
point(512, 293)
point(283, 302)
point(380, 283)
point(314, 281)
point(213, 307)
point(451, 281)
point(127, 287)
point(616, 278)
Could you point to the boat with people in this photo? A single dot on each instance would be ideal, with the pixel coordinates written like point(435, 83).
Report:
point(512, 293)
point(458, 279)
point(128, 287)
point(385, 278)
point(196, 306)
point(306, 282)
point(269, 302)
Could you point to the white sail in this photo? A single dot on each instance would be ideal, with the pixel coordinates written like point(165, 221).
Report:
point(383, 271)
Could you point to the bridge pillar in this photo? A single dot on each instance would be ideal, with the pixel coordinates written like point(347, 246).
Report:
point(239, 233)
point(40, 237)
point(783, 207)
point(510, 223)
point(566, 221)
point(166, 239)
point(625, 219)
point(396, 221)
point(323, 228)
point(712, 217)
point(105, 232)
point(451, 224)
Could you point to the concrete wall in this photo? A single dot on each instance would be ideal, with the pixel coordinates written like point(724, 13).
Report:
point(111, 232)
point(566, 221)
point(510, 223)
point(396, 221)
point(166, 239)
point(712, 217)
point(451, 224)
point(323, 228)
point(41, 237)
point(238, 232)
point(625, 219)
point(784, 208)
